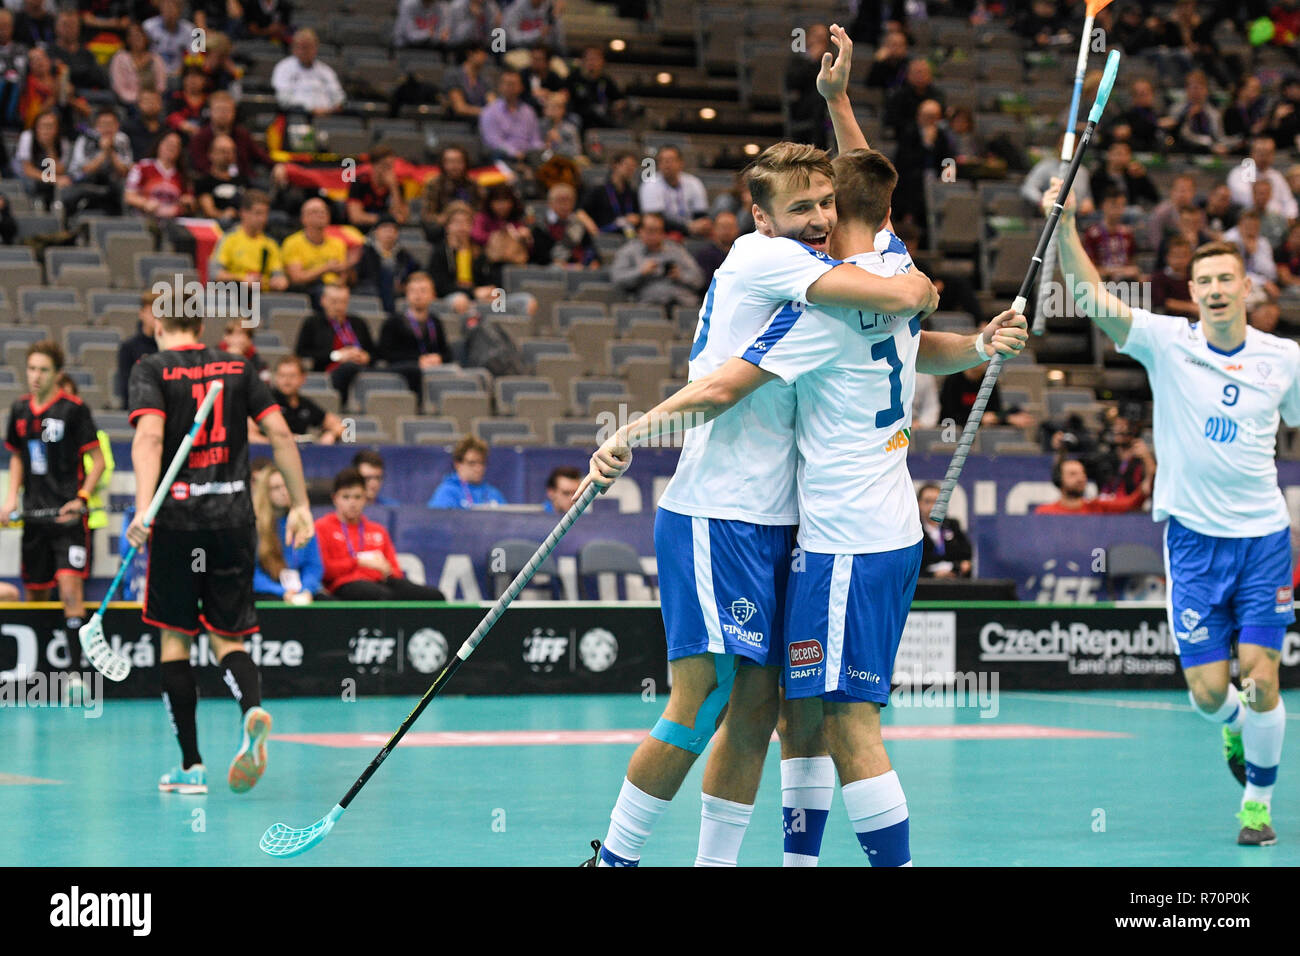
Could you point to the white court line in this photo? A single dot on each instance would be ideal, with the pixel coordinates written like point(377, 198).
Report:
point(1127, 704)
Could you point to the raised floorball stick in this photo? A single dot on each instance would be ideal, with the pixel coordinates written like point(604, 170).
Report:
point(1048, 272)
point(940, 510)
point(50, 514)
point(282, 840)
point(102, 657)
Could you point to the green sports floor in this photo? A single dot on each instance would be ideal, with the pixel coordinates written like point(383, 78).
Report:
point(1074, 779)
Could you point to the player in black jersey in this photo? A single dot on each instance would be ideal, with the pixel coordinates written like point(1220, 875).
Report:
point(49, 432)
point(202, 546)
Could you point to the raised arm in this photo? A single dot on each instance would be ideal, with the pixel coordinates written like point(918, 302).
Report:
point(833, 85)
point(943, 353)
point(850, 287)
point(1084, 281)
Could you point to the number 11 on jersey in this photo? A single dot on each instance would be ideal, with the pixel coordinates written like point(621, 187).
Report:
point(200, 392)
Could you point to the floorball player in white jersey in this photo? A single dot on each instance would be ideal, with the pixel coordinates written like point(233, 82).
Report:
point(724, 527)
point(852, 578)
point(1220, 388)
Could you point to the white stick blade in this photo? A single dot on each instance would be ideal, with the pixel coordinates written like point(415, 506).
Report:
point(102, 657)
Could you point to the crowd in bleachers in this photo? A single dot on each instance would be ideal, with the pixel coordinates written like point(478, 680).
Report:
point(500, 220)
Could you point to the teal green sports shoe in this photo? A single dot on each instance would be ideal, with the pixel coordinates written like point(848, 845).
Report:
point(1235, 754)
point(179, 780)
point(250, 763)
point(1256, 825)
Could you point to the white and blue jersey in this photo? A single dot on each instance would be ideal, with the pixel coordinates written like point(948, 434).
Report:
point(854, 375)
point(1227, 543)
point(723, 529)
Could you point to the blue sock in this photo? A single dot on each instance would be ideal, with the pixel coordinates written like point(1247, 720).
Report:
point(878, 811)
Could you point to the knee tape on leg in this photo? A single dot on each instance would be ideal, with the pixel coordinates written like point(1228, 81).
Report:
point(695, 739)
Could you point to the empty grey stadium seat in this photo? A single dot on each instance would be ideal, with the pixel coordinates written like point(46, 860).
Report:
point(426, 431)
point(504, 431)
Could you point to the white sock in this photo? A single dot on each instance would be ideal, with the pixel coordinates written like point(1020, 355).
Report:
point(1230, 713)
point(630, 822)
point(1261, 738)
point(722, 828)
point(878, 811)
point(807, 786)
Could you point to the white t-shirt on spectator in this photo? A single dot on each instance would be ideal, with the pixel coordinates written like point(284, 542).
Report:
point(314, 87)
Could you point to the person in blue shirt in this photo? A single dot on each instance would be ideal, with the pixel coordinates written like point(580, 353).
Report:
point(561, 485)
point(295, 575)
point(464, 487)
point(371, 465)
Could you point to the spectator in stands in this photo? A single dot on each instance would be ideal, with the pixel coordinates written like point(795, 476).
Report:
point(1143, 119)
point(1042, 25)
point(654, 270)
point(565, 236)
point(84, 71)
point(335, 342)
point(1125, 462)
point(1197, 125)
point(1287, 257)
point(420, 25)
point(945, 549)
point(1261, 268)
point(237, 340)
point(219, 68)
point(1284, 116)
point(220, 191)
point(470, 23)
point(725, 232)
point(1163, 221)
point(922, 150)
point(594, 95)
point(1169, 286)
point(305, 417)
point(377, 193)
point(415, 339)
point(34, 24)
point(1220, 211)
point(249, 154)
point(137, 346)
point(809, 121)
point(187, 107)
point(1272, 226)
point(500, 228)
point(1040, 176)
point(136, 68)
point(303, 83)
point(1071, 477)
point(1110, 243)
point(678, 196)
point(268, 19)
point(248, 254)
point(13, 66)
point(889, 65)
point(465, 487)
point(46, 87)
point(42, 149)
point(145, 125)
point(902, 104)
point(457, 263)
point(1264, 315)
point(170, 34)
point(1247, 116)
point(468, 88)
point(957, 396)
point(1122, 172)
point(384, 264)
point(1191, 226)
point(101, 159)
point(508, 126)
point(452, 184)
point(613, 205)
point(560, 134)
point(530, 22)
point(8, 227)
point(736, 200)
point(312, 257)
point(291, 576)
point(561, 488)
point(540, 79)
point(370, 465)
point(976, 156)
point(360, 562)
point(1242, 178)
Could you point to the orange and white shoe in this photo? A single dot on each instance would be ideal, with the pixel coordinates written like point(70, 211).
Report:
point(250, 763)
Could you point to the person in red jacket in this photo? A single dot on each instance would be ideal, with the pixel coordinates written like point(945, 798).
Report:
point(360, 562)
point(1072, 478)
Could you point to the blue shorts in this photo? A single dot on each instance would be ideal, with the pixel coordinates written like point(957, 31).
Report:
point(1221, 589)
point(722, 585)
point(843, 623)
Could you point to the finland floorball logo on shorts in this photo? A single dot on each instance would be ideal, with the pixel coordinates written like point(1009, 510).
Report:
point(1191, 633)
point(742, 609)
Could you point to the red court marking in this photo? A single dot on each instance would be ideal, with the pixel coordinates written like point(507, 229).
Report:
point(542, 738)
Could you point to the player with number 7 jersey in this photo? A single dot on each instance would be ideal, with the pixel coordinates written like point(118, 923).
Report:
point(202, 542)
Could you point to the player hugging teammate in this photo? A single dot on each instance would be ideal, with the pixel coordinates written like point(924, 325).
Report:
point(202, 544)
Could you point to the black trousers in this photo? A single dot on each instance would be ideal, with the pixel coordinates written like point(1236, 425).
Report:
point(392, 589)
